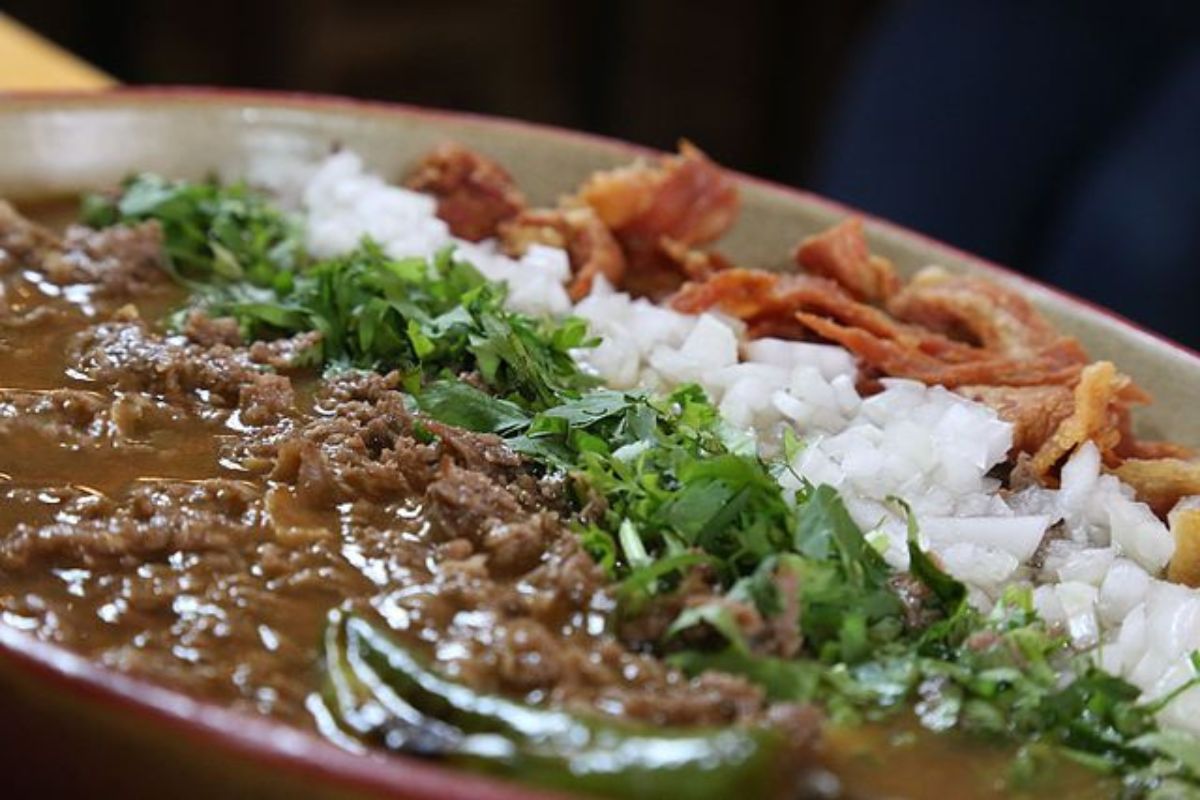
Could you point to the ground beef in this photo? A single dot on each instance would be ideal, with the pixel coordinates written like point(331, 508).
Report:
point(208, 331)
point(212, 567)
point(292, 352)
point(125, 355)
point(21, 241)
point(61, 413)
point(153, 519)
point(122, 262)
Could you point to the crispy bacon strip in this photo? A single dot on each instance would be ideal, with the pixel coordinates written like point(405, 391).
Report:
point(769, 300)
point(1100, 396)
point(474, 193)
point(1161, 483)
point(1185, 529)
point(1148, 450)
point(686, 198)
point(695, 265)
point(590, 246)
point(1055, 365)
point(660, 213)
point(741, 293)
point(1034, 411)
point(973, 309)
point(841, 254)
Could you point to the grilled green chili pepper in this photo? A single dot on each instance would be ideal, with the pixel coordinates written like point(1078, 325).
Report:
point(380, 691)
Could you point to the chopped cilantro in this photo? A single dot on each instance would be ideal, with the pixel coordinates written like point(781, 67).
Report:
point(210, 232)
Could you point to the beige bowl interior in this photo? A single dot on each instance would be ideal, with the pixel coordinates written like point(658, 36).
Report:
point(56, 145)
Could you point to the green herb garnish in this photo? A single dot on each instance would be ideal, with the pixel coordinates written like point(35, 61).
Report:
point(210, 232)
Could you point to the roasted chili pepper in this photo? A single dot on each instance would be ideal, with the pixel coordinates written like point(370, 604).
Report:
point(381, 691)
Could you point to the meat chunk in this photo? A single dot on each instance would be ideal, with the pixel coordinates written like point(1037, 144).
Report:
point(302, 462)
point(293, 352)
point(528, 656)
point(474, 193)
point(265, 397)
point(712, 698)
point(467, 503)
point(841, 255)
point(516, 547)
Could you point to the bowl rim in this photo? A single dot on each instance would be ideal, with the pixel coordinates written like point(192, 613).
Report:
point(147, 93)
point(264, 742)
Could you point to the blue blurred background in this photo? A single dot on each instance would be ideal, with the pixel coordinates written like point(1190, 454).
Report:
point(1060, 138)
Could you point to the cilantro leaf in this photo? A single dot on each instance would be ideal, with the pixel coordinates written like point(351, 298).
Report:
point(464, 406)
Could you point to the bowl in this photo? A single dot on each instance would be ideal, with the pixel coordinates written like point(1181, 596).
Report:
point(70, 725)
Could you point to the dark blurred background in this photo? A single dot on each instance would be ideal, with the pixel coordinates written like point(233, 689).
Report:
point(1061, 137)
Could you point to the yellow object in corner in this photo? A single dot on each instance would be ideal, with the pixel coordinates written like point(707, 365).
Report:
point(29, 62)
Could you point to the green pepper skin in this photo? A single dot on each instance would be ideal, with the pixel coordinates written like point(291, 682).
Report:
point(380, 690)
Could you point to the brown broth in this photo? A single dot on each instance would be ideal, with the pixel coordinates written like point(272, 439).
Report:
point(900, 759)
point(181, 616)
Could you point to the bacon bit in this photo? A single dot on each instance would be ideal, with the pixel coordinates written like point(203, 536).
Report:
point(1160, 483)
point(590, 246)
point(1185, 564)
point(1099, 398)
point(1034, 411)
point(841, 255)
point(474, 193)
point(770, 301)
point(831, 300)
